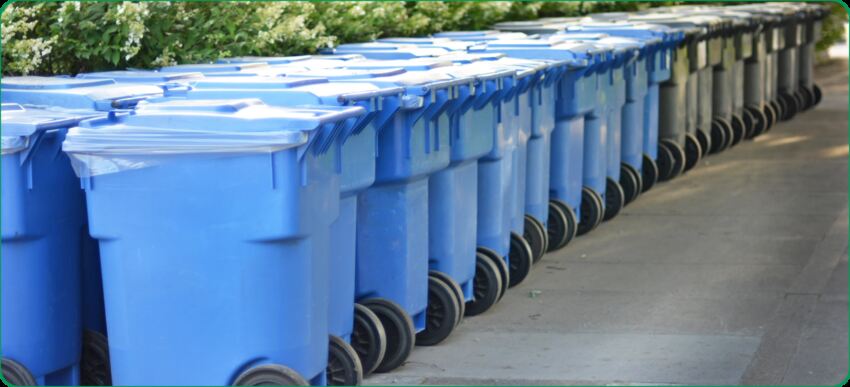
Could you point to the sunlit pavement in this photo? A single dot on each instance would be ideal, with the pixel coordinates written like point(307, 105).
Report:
point(734, 273)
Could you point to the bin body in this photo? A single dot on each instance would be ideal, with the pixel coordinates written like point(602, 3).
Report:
point(357, 158)
point(89, 97)
point(43, 232)
point(242, 285)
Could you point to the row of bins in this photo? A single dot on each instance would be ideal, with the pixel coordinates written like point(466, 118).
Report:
point(310, 219)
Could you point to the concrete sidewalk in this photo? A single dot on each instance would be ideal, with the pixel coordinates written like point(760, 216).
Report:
point(734, 273)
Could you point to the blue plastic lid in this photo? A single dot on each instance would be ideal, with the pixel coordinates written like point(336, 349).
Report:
point(214, 67)
point(74, 93)
point(389, 50)
point(416, 64)
point(448, 44)
point(140, 76)
point(348, 73)
point(18, 124)
point(484, 36)
point(153, 133)
point(647, 32)
point(288, 91)
point(463, 34)
point(272, 60)
point(470, 57)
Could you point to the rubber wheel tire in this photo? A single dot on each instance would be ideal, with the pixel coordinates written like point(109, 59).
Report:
point(459, 296)
point(790, 105)
point(270, 375)
point(591, 211)
point(572, 221)
point(615, 199)
point(720, 130)
point(536, 236)
point(95, 369)
point(630, 182)
point(399, 329)
point(678, 157)
point(344, 368)
point(560, 227)
point(801, 101)
point(368, 339)
point(486, 286)
point(818, 94)
point(504, 271)
point(665, 163)
point(649, 173)
point(759, 122)
point(693, 152)
point(441, 315)
point(15, 373)
point(808, 97)
point(520, 259)
point(704, 140)
point(779, 107)
point(739, 130)
point(772, 117)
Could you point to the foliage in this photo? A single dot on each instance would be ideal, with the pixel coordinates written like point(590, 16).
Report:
point(71, 37)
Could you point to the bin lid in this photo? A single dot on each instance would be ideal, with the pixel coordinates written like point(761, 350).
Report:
point(347, 73)
point(74, 93)
point(480, 36)
point(278, 60)
point(651, 34)
point(155, 132)
point(448, 44)
point(573, 54)
point(388, 51)
point(416, 64)
point(470, 57)
point(288, 91)
point(532, 27)
point(141, 76)
point(208, 68)
point(18, 124)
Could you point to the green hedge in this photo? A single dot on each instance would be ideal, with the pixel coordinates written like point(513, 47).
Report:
point(72, 37)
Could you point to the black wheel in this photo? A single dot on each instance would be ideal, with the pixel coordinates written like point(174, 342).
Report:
point(344, 368)
point(94, 362)
point(759, 120)
point(666, 162)
point(401, 334)
point(649, 173)
point(720, 131)
point(818, 94)
point(772, 117)
point(591, 211)
point(504, 271)
point(562, 232)
point(368, 339)
point(693, 151)
point(704, 141)
point(441, 315)
point(801, 100)
point(486, 287)
point(739, 130)
point(615, 199)
point(631, 182)
point(780, 108)
point(520, 258)
point(270, 375)
point(458, 292)
point(808, 97)
point(789, 103)
point(15, 373)
point(559, 227)
point(536, 236)
point(678, 154)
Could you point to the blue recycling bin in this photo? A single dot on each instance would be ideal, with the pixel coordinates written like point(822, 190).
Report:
point(43, 219)
point(624, 60)
point(357, 172)
point(660, 42)
point(379, 50)
point(237, 312)
point(82, 96)
point(577, 176)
